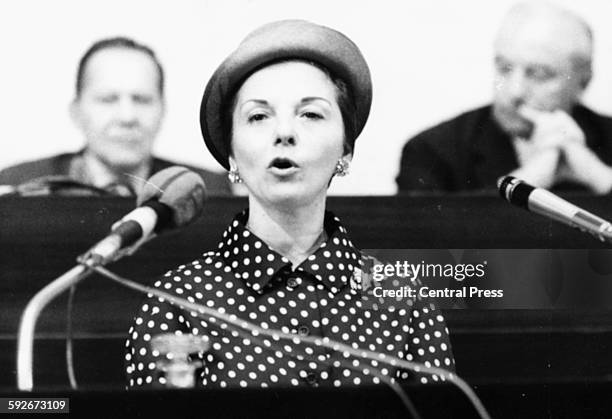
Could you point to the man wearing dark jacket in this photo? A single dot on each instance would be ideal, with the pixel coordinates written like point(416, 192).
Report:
point(119, 106)
point(535, 128)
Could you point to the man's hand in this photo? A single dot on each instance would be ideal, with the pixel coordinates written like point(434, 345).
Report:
point(552, 129)
point(579, 164)
point(575, 161)
point(540, 169)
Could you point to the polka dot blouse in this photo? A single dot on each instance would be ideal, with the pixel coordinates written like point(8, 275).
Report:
point(325, 297)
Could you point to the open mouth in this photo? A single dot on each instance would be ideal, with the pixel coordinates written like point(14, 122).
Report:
point(283, 164)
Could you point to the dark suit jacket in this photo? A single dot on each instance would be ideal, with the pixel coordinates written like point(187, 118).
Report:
point(59, 165)
point(470, 152)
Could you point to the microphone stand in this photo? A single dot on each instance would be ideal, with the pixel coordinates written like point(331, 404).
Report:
point(25, 340)
point(187, 206)
point(29, 317)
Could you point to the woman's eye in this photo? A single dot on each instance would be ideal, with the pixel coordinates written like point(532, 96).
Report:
point(312, 115)
point(257, 117)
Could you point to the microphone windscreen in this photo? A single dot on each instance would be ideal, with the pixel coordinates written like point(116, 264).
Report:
point(520, 194)
point(180, 189)
point(515, 191)
point(503, 184)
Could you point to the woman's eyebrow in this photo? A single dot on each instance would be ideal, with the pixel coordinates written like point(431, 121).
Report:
point(313, 98)
point(254, 101)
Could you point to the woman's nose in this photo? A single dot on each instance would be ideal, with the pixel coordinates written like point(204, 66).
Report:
point(285, 133)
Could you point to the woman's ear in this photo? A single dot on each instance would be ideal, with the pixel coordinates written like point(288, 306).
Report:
point(347, 151)
point(348, 157)
point(233, 174)
point(232, 163)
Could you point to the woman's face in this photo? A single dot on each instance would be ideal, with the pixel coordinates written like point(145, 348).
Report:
point(287, 133)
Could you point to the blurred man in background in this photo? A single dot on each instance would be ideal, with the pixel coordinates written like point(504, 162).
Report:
point(535, 128)
point(119, 107)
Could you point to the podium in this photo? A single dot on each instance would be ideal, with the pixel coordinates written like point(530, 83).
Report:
point(40, 238)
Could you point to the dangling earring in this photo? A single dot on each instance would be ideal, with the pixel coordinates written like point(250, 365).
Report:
point(342, 167)
point(234, 176)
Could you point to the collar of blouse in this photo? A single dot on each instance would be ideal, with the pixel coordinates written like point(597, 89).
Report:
point(253, 261)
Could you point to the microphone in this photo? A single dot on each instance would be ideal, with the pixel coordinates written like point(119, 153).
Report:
point(546, 203)
point(171, 198)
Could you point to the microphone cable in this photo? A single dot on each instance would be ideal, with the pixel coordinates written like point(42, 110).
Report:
point(252, 332)
point(316, 341)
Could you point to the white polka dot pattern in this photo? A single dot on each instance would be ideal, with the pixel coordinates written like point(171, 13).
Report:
point(247, 279)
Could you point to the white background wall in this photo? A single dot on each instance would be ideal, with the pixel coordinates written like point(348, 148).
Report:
point(429, 61)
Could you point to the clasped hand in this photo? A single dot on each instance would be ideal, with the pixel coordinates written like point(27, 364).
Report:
point(556, 151)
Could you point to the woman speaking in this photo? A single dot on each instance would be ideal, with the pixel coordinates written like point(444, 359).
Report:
point(282, 114)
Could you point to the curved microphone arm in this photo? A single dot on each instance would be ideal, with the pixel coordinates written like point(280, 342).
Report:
point(27, 324)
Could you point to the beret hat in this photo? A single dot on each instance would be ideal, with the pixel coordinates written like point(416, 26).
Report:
point(277, 41)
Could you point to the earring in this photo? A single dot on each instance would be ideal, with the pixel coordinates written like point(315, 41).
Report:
point(342, 167)
point(234, 176)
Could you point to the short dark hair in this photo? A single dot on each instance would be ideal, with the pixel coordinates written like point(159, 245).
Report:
point(116, 42)
point(344, 97)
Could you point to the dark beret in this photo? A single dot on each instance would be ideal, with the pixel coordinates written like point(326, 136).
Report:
point(276, 41)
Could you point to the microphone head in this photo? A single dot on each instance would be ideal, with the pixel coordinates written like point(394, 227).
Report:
point(180, 189)
point(514, 190)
